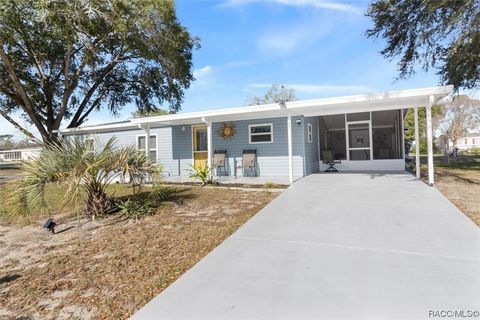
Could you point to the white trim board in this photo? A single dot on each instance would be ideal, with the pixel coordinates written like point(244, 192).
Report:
point(388, 100)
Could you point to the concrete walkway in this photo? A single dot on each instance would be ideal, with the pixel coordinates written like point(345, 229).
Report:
point(337, 246)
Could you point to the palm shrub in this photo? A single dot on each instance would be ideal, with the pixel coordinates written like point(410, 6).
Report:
point(134, 208)
point(84, 173)
point(202, 173)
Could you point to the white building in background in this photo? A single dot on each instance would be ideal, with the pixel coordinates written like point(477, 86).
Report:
point(25, 154)
point(468, 142)
point(463, 144)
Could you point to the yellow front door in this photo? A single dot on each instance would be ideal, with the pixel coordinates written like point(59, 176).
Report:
point(200, 151)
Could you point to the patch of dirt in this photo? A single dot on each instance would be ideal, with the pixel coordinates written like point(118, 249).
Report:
point(462, 187)
point(110, 268)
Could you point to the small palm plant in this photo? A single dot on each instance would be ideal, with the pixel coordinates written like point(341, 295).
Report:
point(83, 172)
point(202, 173)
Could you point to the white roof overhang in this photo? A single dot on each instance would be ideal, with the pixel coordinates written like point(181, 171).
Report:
point(389, 100)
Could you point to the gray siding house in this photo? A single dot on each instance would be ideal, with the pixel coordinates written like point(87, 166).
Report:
point(291, 139)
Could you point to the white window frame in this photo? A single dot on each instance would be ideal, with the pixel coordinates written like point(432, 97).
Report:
point(309, 133)
point(151, 149)
point(250, 134)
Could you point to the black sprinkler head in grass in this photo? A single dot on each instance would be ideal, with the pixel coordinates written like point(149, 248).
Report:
point(50, 225)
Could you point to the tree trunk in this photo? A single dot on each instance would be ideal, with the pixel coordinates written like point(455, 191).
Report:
point(98, 204)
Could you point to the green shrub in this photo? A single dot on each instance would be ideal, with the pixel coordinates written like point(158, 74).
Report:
point(84, 175)
point(134, 208)
point(269, 185)
point(204, 174)
point(474, 150)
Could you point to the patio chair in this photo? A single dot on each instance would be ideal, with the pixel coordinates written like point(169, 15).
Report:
point(329, 160)
point(220, 161)
point(249, 163)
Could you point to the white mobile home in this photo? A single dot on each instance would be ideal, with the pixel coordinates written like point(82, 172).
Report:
point(24, 154)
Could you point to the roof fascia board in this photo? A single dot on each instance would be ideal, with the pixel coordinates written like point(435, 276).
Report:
point(356, 103)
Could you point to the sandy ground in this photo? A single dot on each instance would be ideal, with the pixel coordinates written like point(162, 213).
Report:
point(110, 268)
point(462, 187)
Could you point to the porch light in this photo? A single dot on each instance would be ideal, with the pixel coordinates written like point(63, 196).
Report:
point(183, 128)
point(50, 225)
point(298, 121)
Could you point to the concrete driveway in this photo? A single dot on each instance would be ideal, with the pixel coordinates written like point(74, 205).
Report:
point(337, 246)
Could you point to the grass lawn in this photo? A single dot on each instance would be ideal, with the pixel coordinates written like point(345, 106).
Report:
point(9, 171)
point(110, 268)
point(459, 180)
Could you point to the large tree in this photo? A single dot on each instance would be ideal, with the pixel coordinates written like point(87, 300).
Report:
point(409, 122)
point(62, 59)
point(439, 34)
point(462, 115)
point(275, 94)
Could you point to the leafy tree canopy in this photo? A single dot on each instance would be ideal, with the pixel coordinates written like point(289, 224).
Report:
point(62, 59)
point(276, 94)
point(149, 113)
point(440, 34)
point(409, 122)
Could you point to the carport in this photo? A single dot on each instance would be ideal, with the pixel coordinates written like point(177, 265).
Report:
point(337, 246)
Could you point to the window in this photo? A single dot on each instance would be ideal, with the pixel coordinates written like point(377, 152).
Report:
point(466, 141)
point(13, 155)
point(141, 145)
point(310, 133)
point(260, 133)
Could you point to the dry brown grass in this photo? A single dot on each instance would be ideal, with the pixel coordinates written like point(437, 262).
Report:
point(459, 180)
point(110, 268)
point(462, 187)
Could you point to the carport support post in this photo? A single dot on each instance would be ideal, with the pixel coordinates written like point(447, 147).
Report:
point(290, 147)
point(417, 144)
point(430, 140)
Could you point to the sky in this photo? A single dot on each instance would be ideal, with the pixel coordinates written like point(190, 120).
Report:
point(316, 47)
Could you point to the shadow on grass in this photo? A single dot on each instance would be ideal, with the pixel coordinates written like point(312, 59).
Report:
point(9, 278)
point(459, 162)
point(160, 194)
point(456, 176)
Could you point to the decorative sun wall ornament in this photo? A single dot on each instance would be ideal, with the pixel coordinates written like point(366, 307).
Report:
point(227, 131)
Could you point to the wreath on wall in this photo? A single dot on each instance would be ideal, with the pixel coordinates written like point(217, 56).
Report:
point(227, 131)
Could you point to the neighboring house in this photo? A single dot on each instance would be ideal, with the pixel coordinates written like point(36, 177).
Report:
point(365, 132)
point(469, 141)
point(25, 154)
point(463, 144)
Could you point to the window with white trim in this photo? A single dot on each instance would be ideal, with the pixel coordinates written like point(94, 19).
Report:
point(260, 133)
point(141, 145)
point(310, 133)
point(12, 155)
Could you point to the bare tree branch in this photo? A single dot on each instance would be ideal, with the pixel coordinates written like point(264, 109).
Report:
point(18, 126)
point(91, 91)
point(27, 106)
